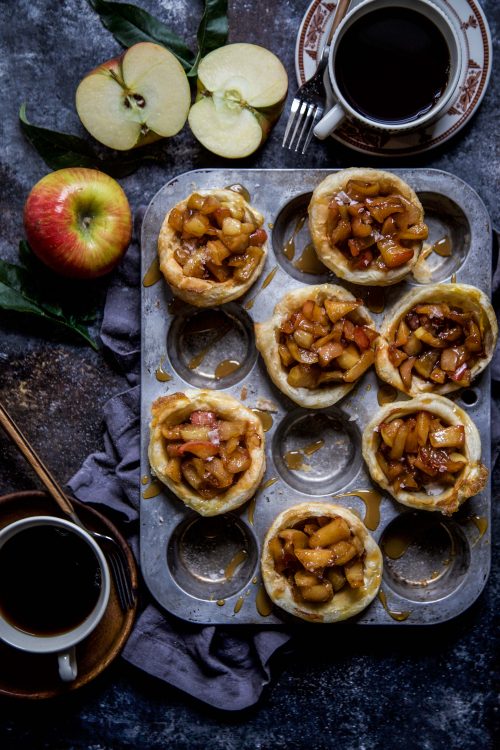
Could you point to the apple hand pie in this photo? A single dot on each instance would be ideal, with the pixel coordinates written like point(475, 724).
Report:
point(208, 449)
point(320, 563)
point(318, 343)
point(212, 247)
point(437, 339)
point(426, 452)
point(367, 226)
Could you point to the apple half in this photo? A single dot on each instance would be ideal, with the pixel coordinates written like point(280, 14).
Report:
point(134, 99)
point(241, 92)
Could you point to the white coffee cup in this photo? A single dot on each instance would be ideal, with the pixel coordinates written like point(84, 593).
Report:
point(342, 109)
point(62, 644)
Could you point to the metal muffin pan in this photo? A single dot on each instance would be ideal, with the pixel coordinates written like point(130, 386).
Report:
point(185, 557)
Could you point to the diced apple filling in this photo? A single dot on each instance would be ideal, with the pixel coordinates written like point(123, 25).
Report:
point(319, 557)
point(373, 227)
point(208, 453)
point(319, 344)
point(218, 242)
point(440, 343)
point(419, 450)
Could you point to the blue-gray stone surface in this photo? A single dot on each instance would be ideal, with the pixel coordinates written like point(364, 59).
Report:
point(348, 688)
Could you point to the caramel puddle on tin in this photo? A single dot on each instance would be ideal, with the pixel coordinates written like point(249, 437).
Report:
point(395, 546)
point(226, 367)
point(160, 373)
point(309, 261)
point(239, 604)
point(263, 603)
point(211, 321)
point(453, 279)
point(145, 479)
point(270, 276)
point(399, 616)
point(253, 501)
point(232, 566)
point(220, 602)
point(153, 490)
point(294, 462)
point(372, 500)
point(443, 247)
point(265, 418)
point(313, 447)
point(244, 393)
point(240, 189)
point(386, 394)
point(289, 249)
point(153, 274)
point(481, 524)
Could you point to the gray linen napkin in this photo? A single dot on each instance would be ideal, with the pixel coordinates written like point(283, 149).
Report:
point(224, 667)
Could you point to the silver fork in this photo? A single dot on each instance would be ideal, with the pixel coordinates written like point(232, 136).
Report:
point(309, 101)
point(114, 553)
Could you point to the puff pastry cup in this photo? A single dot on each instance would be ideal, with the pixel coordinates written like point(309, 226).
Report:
point(437, 338)
point(212, 247)
point(426, 452)
point(320, 563)
point(317, 344)
point(367, 226)
point(207, 448)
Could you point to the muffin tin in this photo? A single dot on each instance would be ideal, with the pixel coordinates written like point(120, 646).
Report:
point(206, 570)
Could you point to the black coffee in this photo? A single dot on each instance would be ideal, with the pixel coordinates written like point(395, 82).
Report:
point(392, 65)
point(49, 580)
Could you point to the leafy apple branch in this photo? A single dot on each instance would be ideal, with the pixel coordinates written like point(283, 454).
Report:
point(130, 24)
point(29, 289)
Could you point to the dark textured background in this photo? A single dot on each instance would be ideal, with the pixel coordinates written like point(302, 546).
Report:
point(350, 689)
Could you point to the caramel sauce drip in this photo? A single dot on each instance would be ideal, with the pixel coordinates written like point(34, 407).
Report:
point(145, 479)
point(220, 602)
point(453, 279)
point(372, 500)
point(481, 523)
point(238, 605)
point(386, 394)
point(313, 447)
point(254, 580)
point(443, 247)
point(309, 261)
point(268, 483)
point(374, 298)
point(240, 189)
point(232, 566)
point(244, 392)
point(289, 249)
point(153, 490)
point(293, 460)
point(270, 276)
point(265, 418)
point(263, 603)
point(160, 373)
point(226, 367)
point(153, 274)
point(251, 510)
point(395, 546)
point(399, 616)
point(211, 321)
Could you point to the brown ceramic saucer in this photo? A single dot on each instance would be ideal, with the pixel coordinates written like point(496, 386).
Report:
point(35, 676)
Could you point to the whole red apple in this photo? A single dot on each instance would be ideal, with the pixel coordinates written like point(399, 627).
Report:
point(78, 222)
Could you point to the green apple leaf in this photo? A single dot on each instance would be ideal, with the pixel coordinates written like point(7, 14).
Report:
point(61, 150)
point(212, 31)
point(130, 24)
point(23, 292)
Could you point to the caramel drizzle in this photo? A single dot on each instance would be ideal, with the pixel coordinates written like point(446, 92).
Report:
point(226, 367)
point(289, 249)
point(265, 418)
point(270, 276)
point(443, 247)
point(263, 603)
point(395, 546)
point(313, 447)
point(309, 262)
point(232, 566)
point(481, 524)
point(160, 373)
point(198, 358)
point(238, 605)
point(386, 394)
point(372, 500)
point(153, 490)
point(253, 501)
point(399, 616)
point(153, 274)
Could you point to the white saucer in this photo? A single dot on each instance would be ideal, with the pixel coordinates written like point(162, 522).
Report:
point(476, 69)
